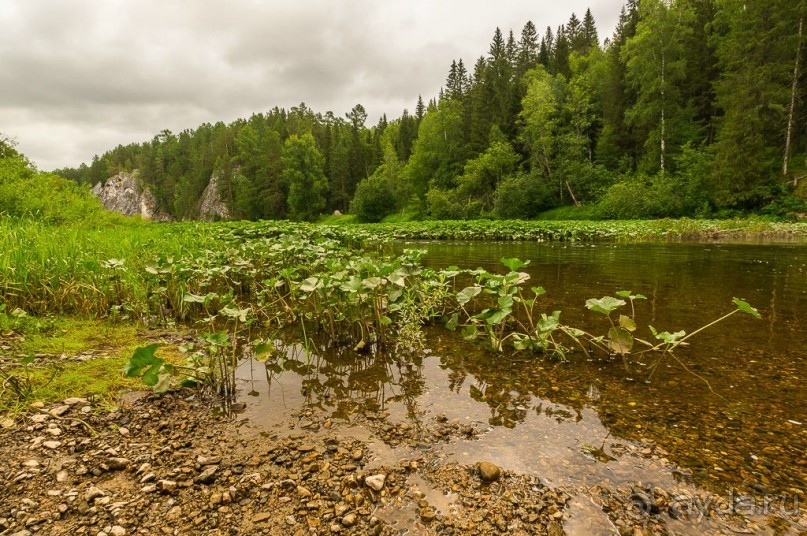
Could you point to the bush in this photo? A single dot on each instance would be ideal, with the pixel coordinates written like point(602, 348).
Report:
point(441, 205)
point(521, 196)
point(374, 199)
point(28, 193)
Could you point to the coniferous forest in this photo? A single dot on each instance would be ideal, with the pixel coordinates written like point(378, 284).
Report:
point(691, 108)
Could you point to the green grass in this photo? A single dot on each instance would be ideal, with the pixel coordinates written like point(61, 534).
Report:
point(73, 336)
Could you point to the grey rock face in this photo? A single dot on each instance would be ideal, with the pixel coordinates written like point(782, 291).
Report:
point(211, 206)
point(122, 193)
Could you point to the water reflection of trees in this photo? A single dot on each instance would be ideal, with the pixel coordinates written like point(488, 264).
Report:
point(343, 382)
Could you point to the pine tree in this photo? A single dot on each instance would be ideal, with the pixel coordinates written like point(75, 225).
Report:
point(528, 50)
point(590, 38)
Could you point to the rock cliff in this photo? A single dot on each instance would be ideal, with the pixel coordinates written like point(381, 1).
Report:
point(211, 206)
point(122, 193)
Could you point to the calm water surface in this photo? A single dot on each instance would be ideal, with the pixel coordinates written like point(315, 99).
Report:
point(546, 418)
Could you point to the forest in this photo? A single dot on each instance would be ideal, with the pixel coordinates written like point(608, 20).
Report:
point(692, 108)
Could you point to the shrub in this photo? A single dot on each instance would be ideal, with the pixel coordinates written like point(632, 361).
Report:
point(374, 199)
point(441, 205)
point(521, 196)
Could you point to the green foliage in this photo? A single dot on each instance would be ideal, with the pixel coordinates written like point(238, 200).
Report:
point(26, 192)
point(374, 198)
point(302, 169)
point(443, 205)
point(521, 196)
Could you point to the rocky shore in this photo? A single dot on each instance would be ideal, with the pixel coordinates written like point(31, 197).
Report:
point(171, 465)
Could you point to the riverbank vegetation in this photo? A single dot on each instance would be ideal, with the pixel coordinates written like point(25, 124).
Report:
point(690, 109)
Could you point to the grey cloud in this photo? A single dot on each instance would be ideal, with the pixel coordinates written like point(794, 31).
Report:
point(81, 76)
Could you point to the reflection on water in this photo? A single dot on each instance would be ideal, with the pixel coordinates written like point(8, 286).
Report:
point(587, 421)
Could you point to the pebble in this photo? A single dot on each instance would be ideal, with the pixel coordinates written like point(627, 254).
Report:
point(74, 401)
point(7, 423)
point(58, 411)
point(123, 431)
point(167, 485)
point(262, 517)
point(52, 445)
point(117, 464)
point(489, 472)
point(93, 493)
point(375, 482)
point(208, 476)
point(349, 520)
point(117, 530)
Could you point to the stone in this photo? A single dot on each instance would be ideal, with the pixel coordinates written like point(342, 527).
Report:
point(117, 464)
point(427, 514)
point(93, 493)
point(117, 530)
point(58, 411)
point(489, 472)
point(5, 424)
point(290, 520)
point(123, 431)
point(349, 520)
point(52, 445)
point(262, 517)
point(213, 460)
point(74, 401)
point(167, 485)
point(375, 482)
point(208, 476)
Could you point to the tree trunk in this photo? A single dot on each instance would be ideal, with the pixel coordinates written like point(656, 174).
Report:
point(663, 104)
point(793, 91)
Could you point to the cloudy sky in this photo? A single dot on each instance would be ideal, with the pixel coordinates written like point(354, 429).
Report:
point(78, 77)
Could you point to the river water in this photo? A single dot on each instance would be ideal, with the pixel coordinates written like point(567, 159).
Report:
point(730, 416)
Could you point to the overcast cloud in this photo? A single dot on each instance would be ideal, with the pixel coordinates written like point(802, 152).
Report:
point(78, 77)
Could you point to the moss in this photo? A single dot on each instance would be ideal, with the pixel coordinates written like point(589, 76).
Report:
point(97, 377)
point(74, 336)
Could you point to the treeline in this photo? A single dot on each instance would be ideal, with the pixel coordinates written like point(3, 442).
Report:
point(692, 107)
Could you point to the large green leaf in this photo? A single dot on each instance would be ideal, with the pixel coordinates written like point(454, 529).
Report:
point(627, 323)
point(604, 305)
point(144, 358)
point(745, 307)
point(467, 294)
point(514, 264)
point(620, 340)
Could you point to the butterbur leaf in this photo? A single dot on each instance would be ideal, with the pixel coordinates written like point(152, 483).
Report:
point(668, 337)
point(627, 323)
point(538, 291)
point(604, 305)
point(220, 338)
point(311, 284)
point(263, 348)
point(141, 358)
point(469, 332)
point(385, 320)
point(193, 298)
point(467, 294)
point(498, 316)
point(624, 293)
point(514, 264)
point(620, 340)
point(453, 322)
point(505, 302)
point(745, 307)
point(163, 384)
